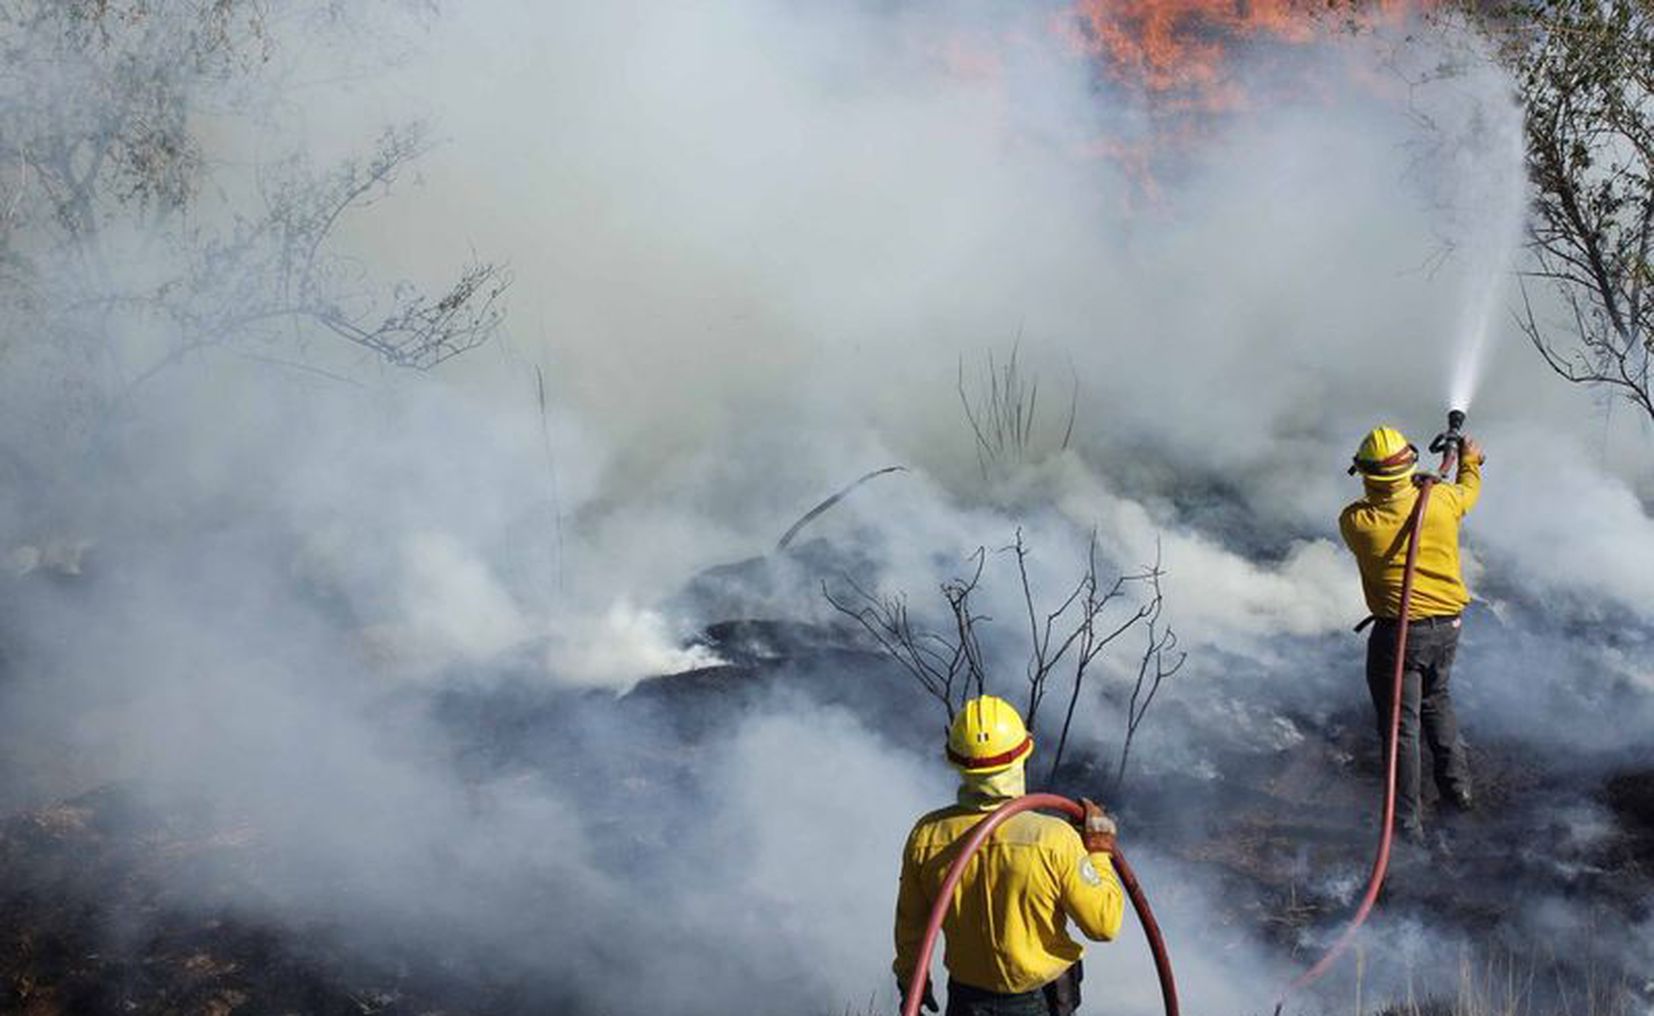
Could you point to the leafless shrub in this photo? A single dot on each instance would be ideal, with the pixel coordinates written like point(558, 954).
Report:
point(948, 666)
point(1063, 641)
point(1161, 659)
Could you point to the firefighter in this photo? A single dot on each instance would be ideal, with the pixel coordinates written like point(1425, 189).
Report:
point(1008, 951)
point(1376, 530)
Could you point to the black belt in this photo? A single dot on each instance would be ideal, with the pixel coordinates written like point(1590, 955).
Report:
point(1061, 996)
point(971, 993)
point(1417, 622)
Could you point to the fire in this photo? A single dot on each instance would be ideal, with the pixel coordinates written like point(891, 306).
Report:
point(1181, 62)
point(1172, 72)
point(1180, 52)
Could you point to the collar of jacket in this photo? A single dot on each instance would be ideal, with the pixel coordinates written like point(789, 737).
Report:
point(987, 791)
point(1386, 493)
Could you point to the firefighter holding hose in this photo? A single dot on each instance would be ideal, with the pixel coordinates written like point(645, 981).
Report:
point(1008, 951)
point(1377, 530)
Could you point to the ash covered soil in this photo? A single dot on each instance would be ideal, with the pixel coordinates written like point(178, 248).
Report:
point(92, 918)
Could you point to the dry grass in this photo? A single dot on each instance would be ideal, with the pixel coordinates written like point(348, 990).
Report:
point(1507, 984)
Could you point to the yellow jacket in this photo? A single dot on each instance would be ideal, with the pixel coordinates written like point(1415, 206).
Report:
point(1007, 928)
point(1375, 528)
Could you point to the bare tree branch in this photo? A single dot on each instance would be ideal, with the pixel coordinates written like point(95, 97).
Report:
point(1161, 643)
point(793, 530)
point(1071, 636)
point(149, 255)
point(931, 659)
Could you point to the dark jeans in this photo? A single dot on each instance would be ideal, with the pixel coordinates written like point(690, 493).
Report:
point(1059, 998)
point(1426, 702)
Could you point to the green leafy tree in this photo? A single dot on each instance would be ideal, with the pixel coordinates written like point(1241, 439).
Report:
point(1584, 71)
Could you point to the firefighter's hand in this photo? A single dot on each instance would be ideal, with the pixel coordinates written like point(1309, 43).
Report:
point(1097, 829)
point(927, 1003)
point(1470, 450)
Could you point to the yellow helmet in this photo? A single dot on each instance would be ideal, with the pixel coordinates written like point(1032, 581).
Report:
point(988, 736)
point(1385, 456)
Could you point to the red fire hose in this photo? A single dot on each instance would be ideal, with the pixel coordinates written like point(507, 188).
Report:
point(979, 835)
point(1381, 863)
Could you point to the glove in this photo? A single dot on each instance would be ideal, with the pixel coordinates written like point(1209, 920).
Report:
point(927, 1003)
point(1471, 450)
point(1097, 830)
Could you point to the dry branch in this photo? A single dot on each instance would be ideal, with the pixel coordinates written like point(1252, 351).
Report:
point(1065, 638)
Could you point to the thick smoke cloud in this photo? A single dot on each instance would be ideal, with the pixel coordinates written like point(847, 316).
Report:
point(755, 248)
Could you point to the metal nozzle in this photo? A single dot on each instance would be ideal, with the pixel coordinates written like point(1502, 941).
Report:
point(1449, 438)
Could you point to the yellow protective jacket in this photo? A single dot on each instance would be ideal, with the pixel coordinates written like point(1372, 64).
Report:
point(1375, 528)
point(1006, 929)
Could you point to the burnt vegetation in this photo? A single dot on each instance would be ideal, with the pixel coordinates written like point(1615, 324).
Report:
point(1063, 640)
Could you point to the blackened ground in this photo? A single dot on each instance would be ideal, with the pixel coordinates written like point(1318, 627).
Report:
point(90, 920)
point(1293, 838)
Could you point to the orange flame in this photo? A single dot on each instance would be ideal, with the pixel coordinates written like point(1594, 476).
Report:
point(1183, 60)
point(1177, 68)
point(1178, 51)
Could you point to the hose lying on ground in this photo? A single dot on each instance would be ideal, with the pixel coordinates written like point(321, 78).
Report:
point(978, 835)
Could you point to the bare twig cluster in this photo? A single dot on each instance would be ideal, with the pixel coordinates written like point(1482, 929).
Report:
point(1082, 616)
point(948, 666)
point(1161, 659)
point(1003, 409)
point(1064, 640)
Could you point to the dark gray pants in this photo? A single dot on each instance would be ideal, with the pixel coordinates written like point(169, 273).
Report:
point(1059, 998)
point(1426, 703)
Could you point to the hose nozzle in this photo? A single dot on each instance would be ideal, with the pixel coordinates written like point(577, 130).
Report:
point(1450, 439)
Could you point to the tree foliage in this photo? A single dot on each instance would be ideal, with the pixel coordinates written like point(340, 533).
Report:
point(1584, 70)
point(126, 246)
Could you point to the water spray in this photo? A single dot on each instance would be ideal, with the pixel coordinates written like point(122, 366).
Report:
point(1485, 196)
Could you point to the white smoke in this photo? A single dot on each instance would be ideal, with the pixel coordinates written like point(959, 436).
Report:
point(754, 244)
point(623, 646)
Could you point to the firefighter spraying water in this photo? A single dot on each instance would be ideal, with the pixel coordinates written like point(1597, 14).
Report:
point(1406, 544)
point(1377, 528)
